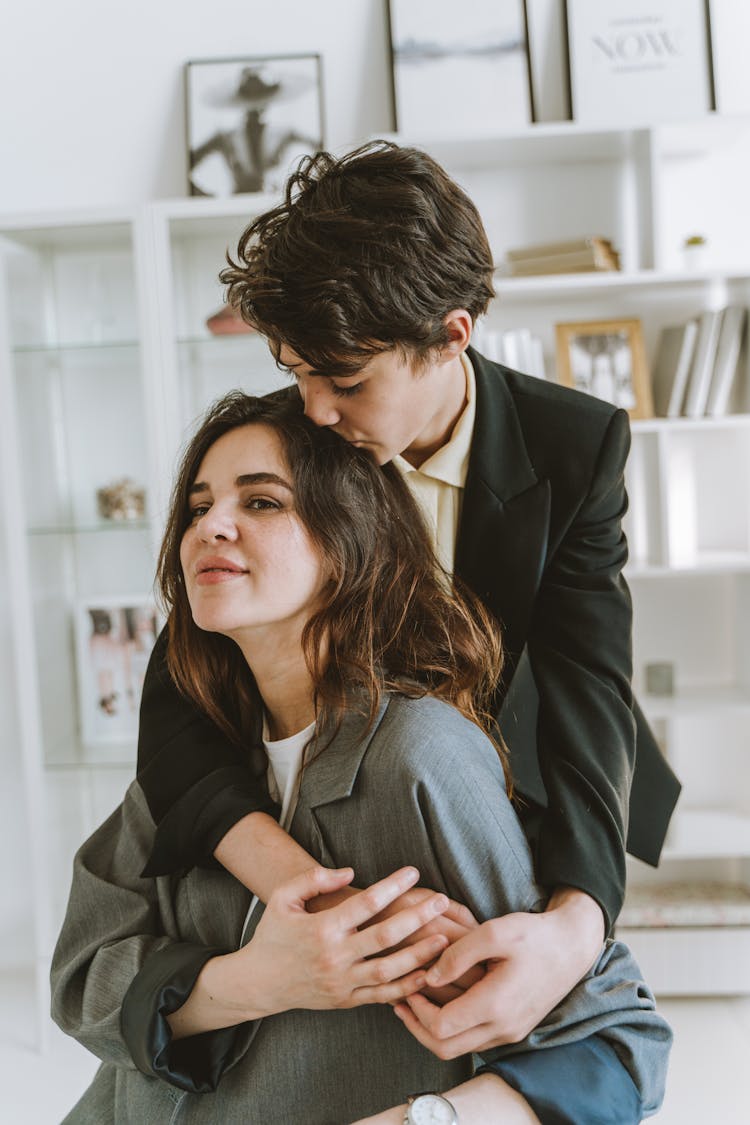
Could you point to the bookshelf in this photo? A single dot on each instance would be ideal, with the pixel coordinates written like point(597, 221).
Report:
point(102, 318)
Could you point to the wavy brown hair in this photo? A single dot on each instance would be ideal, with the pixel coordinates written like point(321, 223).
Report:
point(366, 253)
point(390, 619)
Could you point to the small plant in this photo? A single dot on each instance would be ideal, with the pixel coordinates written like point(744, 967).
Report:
point(695, 240)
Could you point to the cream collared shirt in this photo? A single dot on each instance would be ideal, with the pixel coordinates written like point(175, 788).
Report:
point(438, 484)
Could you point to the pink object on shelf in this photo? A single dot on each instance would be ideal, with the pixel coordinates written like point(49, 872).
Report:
point(227, 322)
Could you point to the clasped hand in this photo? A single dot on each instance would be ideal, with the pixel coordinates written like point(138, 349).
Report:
point(356, 952)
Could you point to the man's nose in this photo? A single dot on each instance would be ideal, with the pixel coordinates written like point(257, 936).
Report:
point(320, 403)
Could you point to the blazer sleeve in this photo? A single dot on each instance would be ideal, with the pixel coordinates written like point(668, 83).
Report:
point(579, 648)
point(120, 967)
point(196, 782)
point(474, 838)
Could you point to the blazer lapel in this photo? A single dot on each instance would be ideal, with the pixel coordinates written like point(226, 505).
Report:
point(502, 538)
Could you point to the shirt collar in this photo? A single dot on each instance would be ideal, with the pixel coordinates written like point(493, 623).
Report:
point(450, 463)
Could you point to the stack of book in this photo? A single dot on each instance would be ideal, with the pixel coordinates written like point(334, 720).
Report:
point(578, 255)
point(698, 363)
point(518, 348)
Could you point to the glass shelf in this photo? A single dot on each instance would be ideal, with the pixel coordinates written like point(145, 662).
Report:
point(70, 755)
point(229, 339)
point(126, 760)
point(75, 346)
point(708, 564)
point(88, 529)
point(695, 701)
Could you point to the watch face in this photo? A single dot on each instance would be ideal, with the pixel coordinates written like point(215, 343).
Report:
point(431, 1109)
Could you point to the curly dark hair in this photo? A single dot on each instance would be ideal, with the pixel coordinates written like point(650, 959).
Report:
point(390, 619)
point(367, 253)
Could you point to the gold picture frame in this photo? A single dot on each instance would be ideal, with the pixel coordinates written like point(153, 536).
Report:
point(606, 359)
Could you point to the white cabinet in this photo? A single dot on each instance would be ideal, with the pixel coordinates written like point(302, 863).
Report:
point(106, 362)
point(73, 418)
point(688, 480)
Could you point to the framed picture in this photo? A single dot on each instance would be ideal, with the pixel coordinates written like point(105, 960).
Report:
point(114, 638)
point(638, 65)
point(459, 73)
point(607, 359)
point(249, 120)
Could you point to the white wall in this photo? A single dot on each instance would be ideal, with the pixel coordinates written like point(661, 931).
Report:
point(15, 868)
point(91, 91)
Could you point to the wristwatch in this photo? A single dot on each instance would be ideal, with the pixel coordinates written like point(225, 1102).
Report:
point(429, 1109)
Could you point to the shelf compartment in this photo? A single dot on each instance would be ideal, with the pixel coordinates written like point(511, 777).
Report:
point(74, 286)
point(64, 571)
point(702, 524)
point(209, 368)
point(697, 701)
point(692, 961)
point(81, 416)
point(668, 616)
point(643, 521)
point(686, 906)
point(715, 833)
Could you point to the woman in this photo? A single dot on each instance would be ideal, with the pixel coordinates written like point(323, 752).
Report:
point(308, 617)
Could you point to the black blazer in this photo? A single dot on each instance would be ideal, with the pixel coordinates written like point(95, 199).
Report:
point(540, 541)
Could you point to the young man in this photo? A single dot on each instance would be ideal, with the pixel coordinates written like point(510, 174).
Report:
point(367, 282)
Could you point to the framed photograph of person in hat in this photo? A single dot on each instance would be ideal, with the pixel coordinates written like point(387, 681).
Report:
point(249, 120)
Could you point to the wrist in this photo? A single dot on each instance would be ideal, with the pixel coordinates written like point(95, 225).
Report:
point(579, 913)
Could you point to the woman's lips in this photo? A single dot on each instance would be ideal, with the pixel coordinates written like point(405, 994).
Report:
point(213, 570)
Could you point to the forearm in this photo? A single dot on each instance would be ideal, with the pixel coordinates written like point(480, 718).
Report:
point(484, 1098)
point(215, 1002)
point(258, 852)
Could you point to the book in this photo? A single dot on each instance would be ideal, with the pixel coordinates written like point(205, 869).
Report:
point(727, 359)
point(672, 367)
point(701, 369)
point(546, 249)
point(593, 257)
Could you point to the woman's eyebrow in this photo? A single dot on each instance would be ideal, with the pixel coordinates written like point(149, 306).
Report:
point(244, 479)
point(262, 478)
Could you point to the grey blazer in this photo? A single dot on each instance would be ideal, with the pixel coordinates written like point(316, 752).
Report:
point(424, 787)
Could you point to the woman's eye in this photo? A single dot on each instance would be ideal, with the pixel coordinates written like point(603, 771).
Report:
point(197, 511)
point(346, 391)
point(261, 504)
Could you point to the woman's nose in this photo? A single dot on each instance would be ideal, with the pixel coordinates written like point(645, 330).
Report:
point(217, 524)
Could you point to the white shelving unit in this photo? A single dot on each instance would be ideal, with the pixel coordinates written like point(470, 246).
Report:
point(105, 362)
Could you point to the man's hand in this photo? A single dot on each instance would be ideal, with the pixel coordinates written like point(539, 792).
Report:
point(532, 962)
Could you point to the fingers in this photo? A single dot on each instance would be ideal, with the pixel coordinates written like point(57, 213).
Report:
point(469, 1011)
point(461, 915)
point(380, 970)
point(392, 931)
point(422, 1019)
point(478, 945)
point(363, 907)
point(315, 881)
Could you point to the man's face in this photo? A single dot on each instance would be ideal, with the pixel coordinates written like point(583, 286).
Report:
point(389, 406)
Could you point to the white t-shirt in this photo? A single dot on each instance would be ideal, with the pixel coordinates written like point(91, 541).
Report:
point(284, 767)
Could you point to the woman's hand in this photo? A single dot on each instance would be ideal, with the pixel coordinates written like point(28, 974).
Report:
point(456, 922)
point(340, 958)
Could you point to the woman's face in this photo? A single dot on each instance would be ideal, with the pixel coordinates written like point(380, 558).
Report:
point(249, 563)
